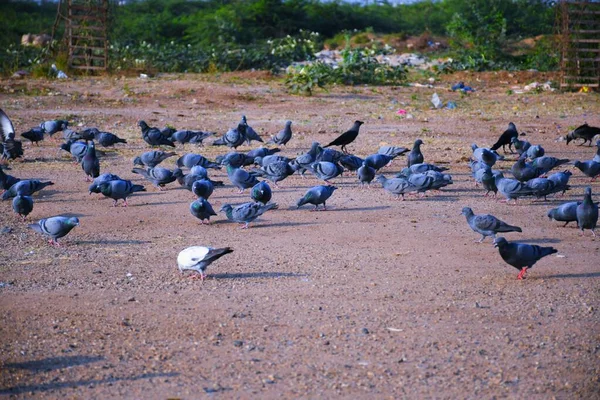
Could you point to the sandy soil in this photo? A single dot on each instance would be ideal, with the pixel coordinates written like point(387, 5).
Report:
point(375, 298)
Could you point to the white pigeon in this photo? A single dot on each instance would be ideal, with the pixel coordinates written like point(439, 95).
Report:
point(198, 258)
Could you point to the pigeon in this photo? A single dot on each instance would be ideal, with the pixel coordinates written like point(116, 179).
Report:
point(422, 168)
point(392, 151)
point(521, 146)
point(25, 187)
point(152, 158)
point(200, 171)
point(240, 178)
point(250, 132)
point(34, 135)
point(325, 170)
point(584, 132)
point(511, 189)
point(351, 162)
point(523, 171)
point(6, 181)
point(235, 159)
point(119, 189)
point(95, 186)
point(547, 163)
point(304, 161)
point(261, 192)
point(587, 212)
point(53, 126)
point(396, 186)
point(10, 149)
point(190, 160)
point(329, 155)
point(168, 131)
point(198, 258)
point(234, 137)
point(542, 187)
point(266, 160)
point(487, 225)
point(365, 174)
point(55, 227)
point(275, 172)
point(201, 209)
point(561, 179)
point(506, 138)
point(90, 163)
point(283, 136)
point(153, 136)
point(488, 181)
point(486, 156)
point(520, 255)
point(430, 180)
point(378, 161)
point(589, 168)
point(247, 212)
point(71, 135)
point(261, 152)
point(107, 139)
point(347, 137)
point(195, 137)
point(535, 151)
point(415, 156)
point(22, 205)
point(566, 212)
point(159, 176)
point(77, 149)
point(202, 188)
point(88, 134)
point(597, 156)
point(317, 195)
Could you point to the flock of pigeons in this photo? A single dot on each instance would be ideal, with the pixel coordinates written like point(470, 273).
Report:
point(530, 178)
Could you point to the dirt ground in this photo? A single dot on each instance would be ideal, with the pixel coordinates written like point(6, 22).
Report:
point(374, 298)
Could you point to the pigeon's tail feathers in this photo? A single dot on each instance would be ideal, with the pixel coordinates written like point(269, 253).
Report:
point(141, 171)
point(137, 188)
point(119, 140)
point(546, 251)
point(509, 228)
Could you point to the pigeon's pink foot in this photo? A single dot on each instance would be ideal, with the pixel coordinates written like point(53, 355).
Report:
point(522, 273)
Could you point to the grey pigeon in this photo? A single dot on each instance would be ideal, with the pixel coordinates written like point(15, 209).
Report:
point(589, 168)
point(88, 133)
point(506, 138)
point(317, 195)
point(95, 186)
point(566, 212)
point(378, 161)
point(520, 255)
point(198, 258)
point(542, 187)
point(366, 174)
point(329, 155)
point(584, 132)
point(266, 160)
point(152, 158)
point(71, 135)
point(523, 171)
point(77, 149)
point(486, 224)
point(187, 136)
point(488, 181)
point(201, 209)
point(203, 188)
point(90, 162)
point(235, 159)
point(304, 161)
point(430, 180)
point(325, 170)
point(415, 156)
point(107, 139)
point(424, 167)
point(396, 186)
point(22, 205)
point(34, 135)
point(283, 136)
point(392, 151)
point(261, 192)
point(535, 151)
point(251, 134)
point(247, 212)
point(10, 149)
point(486, 156)
point(261, 152)
point(190, 160)
point(55, 227)
point(587, 212)
point(25, 187)
point(561, 179)
point(234, 137)
point(511, 189)
point(119, 189)
point(520, 145)
point(597, 156)
point(53, 126)
point(347, 137)
point(240, 178)
point(6, 181)
point(351, 162)
point(159, 176)
point(547, 163)
point(153, 136)
point(276, 172)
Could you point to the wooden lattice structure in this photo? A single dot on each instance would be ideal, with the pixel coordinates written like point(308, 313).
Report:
point(580, 43)
point(86, 34)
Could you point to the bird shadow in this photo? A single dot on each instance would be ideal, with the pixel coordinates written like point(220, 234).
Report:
point(48, 364)
point(158, 203)
point(540, 240)
point(282, 224)
point(113, 241)
point(359, 208)
point(581, 275)
point(257, 275)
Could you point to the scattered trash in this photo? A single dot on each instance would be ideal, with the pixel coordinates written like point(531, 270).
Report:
point(401, 112)
point(4, 284)
point(59, 74)
point(462, 87)
point(536, 86)
point(584, 89)
point(143, 76)
point(19, 74)
point(451, 105)
point(435, 100)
